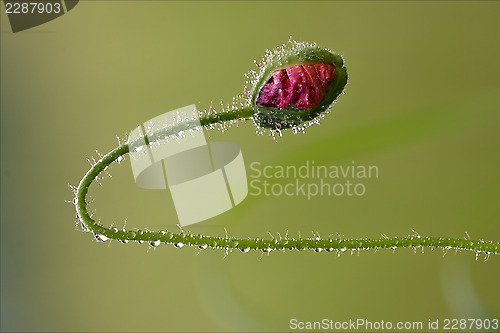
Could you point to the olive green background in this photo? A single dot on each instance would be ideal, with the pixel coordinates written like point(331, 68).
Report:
point(422, 103)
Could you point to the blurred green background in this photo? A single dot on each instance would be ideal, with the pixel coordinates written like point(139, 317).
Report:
point(422, 104)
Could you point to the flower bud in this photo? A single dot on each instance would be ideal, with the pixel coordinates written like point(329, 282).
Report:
point(296, 84)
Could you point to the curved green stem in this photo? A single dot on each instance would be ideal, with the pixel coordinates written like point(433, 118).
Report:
point(245, 245)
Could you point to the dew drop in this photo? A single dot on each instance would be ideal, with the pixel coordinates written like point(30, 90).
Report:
point(203, 246)
point(266, 249)
point(84, 227)
point(244, 249)
point(318, 249)
point(179, 244)
point(124, 241)
point(75, 200)
point(131, 234)
point(233, 243)
point(343, 249)
point(100, 238)
point(155, 243)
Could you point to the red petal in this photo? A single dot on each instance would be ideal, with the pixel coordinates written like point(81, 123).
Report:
point(302, 85)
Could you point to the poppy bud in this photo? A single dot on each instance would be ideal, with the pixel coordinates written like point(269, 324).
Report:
point(295, 85)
